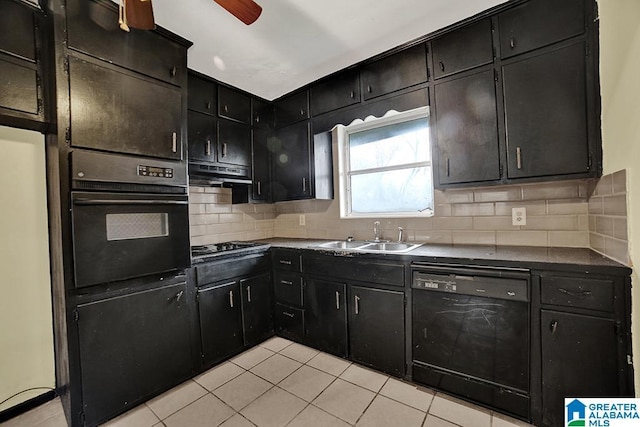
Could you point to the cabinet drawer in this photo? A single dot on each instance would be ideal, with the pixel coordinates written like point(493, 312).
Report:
point(230, 268)
point(579, 292)
point(234, 105)
point(379, 272)
point(287, 260)
point(18, 35)
point(93, 29)
point(288, 288)
point(289, 322)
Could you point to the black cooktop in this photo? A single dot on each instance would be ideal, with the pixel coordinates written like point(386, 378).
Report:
point(216, 248)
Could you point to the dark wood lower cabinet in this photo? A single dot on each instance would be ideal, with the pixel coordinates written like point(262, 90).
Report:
point(220, 321)
point(326, 316)
point(257, 308)
point(131, 347)
point(580, 358)
point(376, 328)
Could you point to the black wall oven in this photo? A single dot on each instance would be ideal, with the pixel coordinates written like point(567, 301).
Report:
point(129, 215)
point(471, 333)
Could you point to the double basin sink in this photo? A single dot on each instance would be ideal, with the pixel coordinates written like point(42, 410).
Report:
point(390, 247)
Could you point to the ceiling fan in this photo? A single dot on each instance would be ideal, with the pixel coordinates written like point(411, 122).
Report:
point(139, 13)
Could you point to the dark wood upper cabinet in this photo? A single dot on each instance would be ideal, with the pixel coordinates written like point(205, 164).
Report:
point(234, 143)
point(202, 95)
point(261, 165)
point(92, 28)
point(398, 71)
point(19, 87)
point(466, 130)
point(112, 110)
point(234, 105)
point(339, 91)
point(292, 108)
point(18, 34)
point(202, 137)
point(292, 163)
point(539, 23)
point(545, 105)
point(463, 49)
point(263, 113)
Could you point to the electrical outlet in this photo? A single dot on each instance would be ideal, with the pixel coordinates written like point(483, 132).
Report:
point(519, 216)
point(301, 219)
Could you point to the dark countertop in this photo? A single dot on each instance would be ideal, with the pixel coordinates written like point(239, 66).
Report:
point(572, 259)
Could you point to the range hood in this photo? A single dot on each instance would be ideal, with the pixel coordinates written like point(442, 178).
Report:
point(218, 173)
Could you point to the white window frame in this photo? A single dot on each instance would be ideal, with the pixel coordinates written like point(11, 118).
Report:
point(342, 133)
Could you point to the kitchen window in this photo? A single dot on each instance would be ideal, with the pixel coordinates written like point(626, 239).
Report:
point(385, 166)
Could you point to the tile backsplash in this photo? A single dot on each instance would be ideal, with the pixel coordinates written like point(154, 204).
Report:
point(608, 217)
point(563, 214)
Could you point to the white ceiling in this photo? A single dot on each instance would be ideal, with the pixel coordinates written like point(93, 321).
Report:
point(295, 42)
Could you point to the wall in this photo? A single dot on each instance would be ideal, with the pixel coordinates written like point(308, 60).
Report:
point(619, 71)
point(26, 335)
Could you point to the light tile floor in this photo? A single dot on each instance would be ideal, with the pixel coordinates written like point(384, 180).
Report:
point(280, 383)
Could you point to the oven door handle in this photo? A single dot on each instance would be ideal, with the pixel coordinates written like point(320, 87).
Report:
point(128, 202)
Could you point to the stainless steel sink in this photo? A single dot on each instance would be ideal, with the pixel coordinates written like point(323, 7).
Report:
point(391, 247)
point(343, 244)
point(396, 247)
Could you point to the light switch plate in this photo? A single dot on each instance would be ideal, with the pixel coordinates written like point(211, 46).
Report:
point(519, 216)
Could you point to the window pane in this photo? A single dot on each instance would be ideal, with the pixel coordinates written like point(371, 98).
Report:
point(404, 190)
point(392, 145)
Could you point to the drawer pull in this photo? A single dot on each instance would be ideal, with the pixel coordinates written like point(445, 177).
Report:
point(574, 294)
point(288, 314)
point(356, 300)
point(553, 326)
point(285, 261)
point(286, 282)
point(511, 293)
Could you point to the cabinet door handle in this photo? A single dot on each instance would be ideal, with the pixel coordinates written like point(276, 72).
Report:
point(369, 88)
point(231, 299)
point(304, 185)
point(512, 42)
point(574, 294)
point(553, 326)
point(356, 300)
point(286, 282)
point(352, 95)
point(302, 112)
point(208, 105)
point(289, 314)
point(174, 142)
point(257, 119)
point(441, 66)
point(259, 189)
point(178, 296)
point(337, 300)
point(173, 71)
point(225, 108)
point(448, 167)
point(224, 149)
point(518, 158)
point(285, 261)
point(208, 149)
point(249, 293)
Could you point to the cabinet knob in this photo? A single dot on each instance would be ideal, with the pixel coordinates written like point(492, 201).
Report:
point(173, 71)
point(441, 66)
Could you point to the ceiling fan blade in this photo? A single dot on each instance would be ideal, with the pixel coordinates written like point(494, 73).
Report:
point(139, 14)
point(245, 10)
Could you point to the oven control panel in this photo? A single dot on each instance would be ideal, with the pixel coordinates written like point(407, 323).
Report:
point(155, 172)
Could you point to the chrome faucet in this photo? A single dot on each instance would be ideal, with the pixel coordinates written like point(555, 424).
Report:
point(376, 231)
point(400, 234)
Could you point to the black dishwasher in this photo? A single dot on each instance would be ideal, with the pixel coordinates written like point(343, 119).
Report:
point(471, 333)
